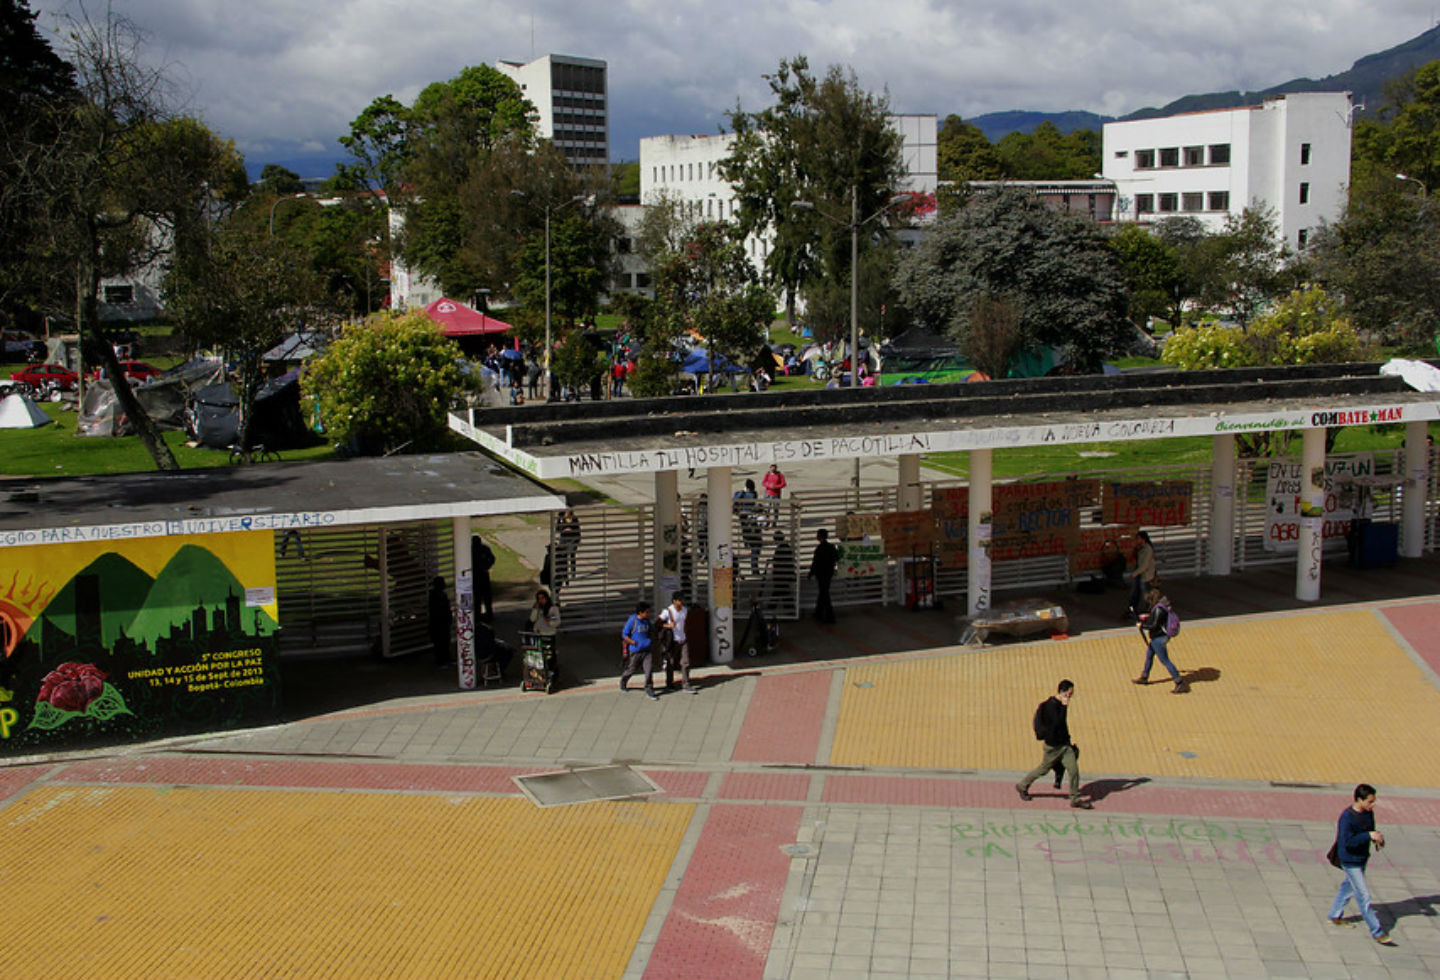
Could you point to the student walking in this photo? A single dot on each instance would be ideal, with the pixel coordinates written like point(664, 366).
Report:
point(1354, 833)
point(635, 638)
point(1052, 726)
point(677, 643)
point(1160, 625)
point(822, 569)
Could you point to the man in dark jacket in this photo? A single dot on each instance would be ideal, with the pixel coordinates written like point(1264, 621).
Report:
point(1052, 727)
point(1354, 833)
point(822, 570)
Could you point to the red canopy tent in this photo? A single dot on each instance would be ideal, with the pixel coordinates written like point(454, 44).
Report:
point(461, 321)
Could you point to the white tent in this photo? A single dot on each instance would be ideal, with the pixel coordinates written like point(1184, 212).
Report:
point(19, 412)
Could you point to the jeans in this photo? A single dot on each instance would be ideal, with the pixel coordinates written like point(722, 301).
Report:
point(1356, 886)
point(1156, 650)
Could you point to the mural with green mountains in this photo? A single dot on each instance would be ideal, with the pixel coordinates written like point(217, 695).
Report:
point(118, 656)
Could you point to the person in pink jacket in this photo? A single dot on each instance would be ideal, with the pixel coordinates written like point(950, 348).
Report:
point(773, 482)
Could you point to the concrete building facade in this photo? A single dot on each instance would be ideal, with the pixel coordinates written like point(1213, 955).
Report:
point(1290, 154)
point(571, 96)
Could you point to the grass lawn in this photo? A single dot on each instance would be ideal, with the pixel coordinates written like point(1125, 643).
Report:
point(55, 450)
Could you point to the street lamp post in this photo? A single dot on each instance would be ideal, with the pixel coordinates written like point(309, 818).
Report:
point(278, 201)
point(855, 224)
point(1424, 191)
point(549, 210)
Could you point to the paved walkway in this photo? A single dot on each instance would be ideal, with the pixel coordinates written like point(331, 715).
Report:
point(826, 819)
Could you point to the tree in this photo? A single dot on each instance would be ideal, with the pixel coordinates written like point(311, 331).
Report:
point(995, 334)
point(825, 142)
point(1383, 259)
point(243, 295)
point(577, 361)
point(36, 86)
point(580, 264)
point(128, 184)
point(1056, 267)
point(1048, 154)
point(1245, 264)
point(964, 154)
point(708, 286)
point(386, 384)
point(1405, 138)
point(1152, 273)
point(279, 181)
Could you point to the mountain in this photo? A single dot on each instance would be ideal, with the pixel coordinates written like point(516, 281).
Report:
point(124, 587)
point(1365, 79)
point(192, 579)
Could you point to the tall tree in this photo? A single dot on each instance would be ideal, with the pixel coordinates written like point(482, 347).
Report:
point(130, 183)
point(1057, 268)
point(963, 153)
point(1151, 269)
point(1048, 154)
point(275, 179)
point(826, 142)
point(1405, 138)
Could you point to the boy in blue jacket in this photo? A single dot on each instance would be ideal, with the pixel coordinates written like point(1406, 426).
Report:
point(1354, 833)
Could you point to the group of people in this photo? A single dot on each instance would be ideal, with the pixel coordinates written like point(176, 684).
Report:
point(638, 646)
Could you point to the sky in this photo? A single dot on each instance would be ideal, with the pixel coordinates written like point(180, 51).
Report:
point(284, 78)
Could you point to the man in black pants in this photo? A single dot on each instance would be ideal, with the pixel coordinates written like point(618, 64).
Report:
point(1052, 727)
point(822, 570)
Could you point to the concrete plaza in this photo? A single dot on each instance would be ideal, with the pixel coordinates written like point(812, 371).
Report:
point(842, 809)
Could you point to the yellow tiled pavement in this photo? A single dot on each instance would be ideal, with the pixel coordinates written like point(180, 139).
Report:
point(222, 883)
point(1327, 696)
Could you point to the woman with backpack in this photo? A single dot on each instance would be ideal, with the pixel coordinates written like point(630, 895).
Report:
point(1160, 624)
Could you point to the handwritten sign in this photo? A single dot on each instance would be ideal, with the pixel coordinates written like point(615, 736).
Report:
point(907, 532)
point(1155, 504)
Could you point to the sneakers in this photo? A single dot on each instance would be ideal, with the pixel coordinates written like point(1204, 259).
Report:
point(690, 689)
point(1140, 680)
point(1180, 688)
point(1339, 921)
point(1024, 795)
point(1082, 805)
point(1384, 939)
point(650, 693)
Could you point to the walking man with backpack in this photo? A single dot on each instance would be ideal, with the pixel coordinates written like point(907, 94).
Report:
point(1053, 728)
point(1160, 625)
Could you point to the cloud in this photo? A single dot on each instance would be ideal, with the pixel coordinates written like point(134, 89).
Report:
point(281, 77)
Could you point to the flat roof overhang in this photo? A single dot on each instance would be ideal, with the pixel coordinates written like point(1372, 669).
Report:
point(272, 497)
point(652, 435)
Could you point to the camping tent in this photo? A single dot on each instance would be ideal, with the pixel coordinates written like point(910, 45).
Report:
point(163, 397)
point(461, 321)
point(18, 411)
point(278, 422)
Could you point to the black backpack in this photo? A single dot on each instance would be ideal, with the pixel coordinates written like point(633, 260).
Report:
point(1042, 731)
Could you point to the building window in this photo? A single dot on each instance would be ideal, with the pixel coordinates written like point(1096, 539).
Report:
point(1192, 202)
point(1144, 159)
point(1304, 154)
point(1304, 192)
point(622, 246)
point(119, 294)
point(1121, 154)
point(722, 210)
point(642, 280)
point(622, 281)
point(1169, 202)
point(1170, 156)
point(1219, 154)
point(1144, 203)
point(1219, 200)
point(1194, 156)
point(1301, 238)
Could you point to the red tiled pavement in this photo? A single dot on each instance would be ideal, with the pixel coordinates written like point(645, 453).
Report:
point(1111, 798)
point(765, 786)
point(1419, 623)
point(723, 918)
point(787, 713)
point(231, 771)
point(685, 785)
point(16, 778)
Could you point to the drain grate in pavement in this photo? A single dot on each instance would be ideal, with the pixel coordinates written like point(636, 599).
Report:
point(585, 785)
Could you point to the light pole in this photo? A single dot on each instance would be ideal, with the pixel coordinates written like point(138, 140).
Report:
point(1424, 191)
point(549, 210)
point(278, 201)
point(855, 224)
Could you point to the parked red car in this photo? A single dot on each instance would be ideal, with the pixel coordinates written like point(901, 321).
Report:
point(39, 376)
point(134, 370)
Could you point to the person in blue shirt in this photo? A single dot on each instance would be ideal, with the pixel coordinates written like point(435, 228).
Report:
point(1354, 833)
point(635, 638)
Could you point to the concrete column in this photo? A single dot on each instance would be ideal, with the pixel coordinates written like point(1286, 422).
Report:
point(1222, 504)
point(722, 564)
point(1417, 476)
point(1312, 516)
point(464, 606)
point(908, 482)
point(667, 537)
point(979, 527)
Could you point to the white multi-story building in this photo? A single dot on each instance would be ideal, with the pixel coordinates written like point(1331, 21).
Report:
point(1290, 154)
point(687, 169)
point(571, 97)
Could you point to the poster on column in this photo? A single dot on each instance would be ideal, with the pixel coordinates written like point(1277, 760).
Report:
point(109, 643)
point(1285, 489)
point(951, 506)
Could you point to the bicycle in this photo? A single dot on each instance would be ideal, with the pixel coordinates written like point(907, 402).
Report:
point(255, 454)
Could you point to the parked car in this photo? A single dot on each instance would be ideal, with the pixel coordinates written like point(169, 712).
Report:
point(134, 370)
point(39, 376)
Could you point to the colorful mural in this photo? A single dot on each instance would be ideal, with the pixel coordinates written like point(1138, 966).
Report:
point(105, 643)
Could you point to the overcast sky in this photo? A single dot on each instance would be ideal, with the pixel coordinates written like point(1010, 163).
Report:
point(284, 78)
